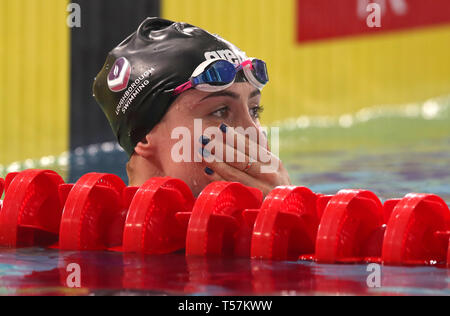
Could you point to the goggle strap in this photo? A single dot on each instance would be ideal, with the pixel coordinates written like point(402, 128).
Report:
point(183, 88)
point(246, 63)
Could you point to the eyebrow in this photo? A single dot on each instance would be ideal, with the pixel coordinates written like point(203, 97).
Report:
point(230, 94)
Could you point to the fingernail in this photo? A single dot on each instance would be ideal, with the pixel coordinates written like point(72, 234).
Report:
point(205, 153)
point(209, 171)
point(223, 128)
point(204, 140)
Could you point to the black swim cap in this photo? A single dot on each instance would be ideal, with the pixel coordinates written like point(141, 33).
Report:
point(134, 88)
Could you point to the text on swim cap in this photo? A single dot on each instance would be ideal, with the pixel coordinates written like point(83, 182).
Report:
point(133, 91)
point(223, 54)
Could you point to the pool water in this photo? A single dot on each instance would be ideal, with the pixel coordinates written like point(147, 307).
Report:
point(390, 173)
point(36, 271)
point(391, 154)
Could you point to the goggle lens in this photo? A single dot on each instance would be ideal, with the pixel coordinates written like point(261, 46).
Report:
point(219, 73)
point(260, 71)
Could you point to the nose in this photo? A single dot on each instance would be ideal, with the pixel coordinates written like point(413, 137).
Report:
point(245, 119)
point(246, 124)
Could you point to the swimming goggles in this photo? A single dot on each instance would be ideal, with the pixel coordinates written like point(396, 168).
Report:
point(219, 74)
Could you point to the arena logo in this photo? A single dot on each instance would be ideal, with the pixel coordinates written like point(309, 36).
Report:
point(119, 75)
point(242, 145)
point(222, 54)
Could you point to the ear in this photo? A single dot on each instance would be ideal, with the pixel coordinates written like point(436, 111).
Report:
point(145, 148)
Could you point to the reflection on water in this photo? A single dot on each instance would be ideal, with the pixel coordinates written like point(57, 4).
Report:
point(37, 271)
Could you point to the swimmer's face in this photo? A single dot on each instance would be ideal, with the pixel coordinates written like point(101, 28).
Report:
point(238, 106)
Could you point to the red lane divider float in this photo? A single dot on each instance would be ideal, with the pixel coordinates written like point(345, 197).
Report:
point(286, 225)
point(356, 227)
point(151, 225)
point(448, 255)
point(93, 214)
point(227, 219)
point(31, 211)
point(418, 230)
point(349, 227)
point(216, 225)
point(2, 185)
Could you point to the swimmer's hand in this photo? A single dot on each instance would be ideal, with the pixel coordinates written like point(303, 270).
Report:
point(237, 158)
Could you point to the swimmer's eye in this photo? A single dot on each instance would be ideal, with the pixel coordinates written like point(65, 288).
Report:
point(256, 112)
point(221, 113)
